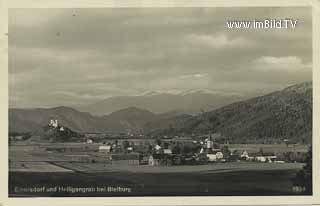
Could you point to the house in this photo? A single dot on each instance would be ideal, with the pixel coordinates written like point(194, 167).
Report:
point(151, 161)
point(266, 157)
point(53, 123)
point(212, 157)
point(261, 157)
point(209, 144)
point(125, 159)
point(105, 148)
point(167, 151)
point(215, 156)
point(244, 155)
point(219, 155)
point(160, 160)
point(20, 137)
point(144, 160)
point(234, 156)
point(89, 141)
point(157, 147)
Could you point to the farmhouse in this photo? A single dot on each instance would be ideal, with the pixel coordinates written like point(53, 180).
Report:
point(215, 156)
point(105, 148)
point(124, 159)
point(160, 160)
point(89, 141)
point(167, 151)
point(259, 156)
point(244, 155)
point(144, 160)
point(152, 161)
point(265, 157)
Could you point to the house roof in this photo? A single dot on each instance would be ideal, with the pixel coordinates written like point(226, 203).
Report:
point(105, 147)
point(167, 151)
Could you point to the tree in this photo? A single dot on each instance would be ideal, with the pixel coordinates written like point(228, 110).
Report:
point(225, 151)
point(187, 149)
point(158, 141)
point(166, 145)
point(304, 176)
point(125, 144)
point(261, 151)
point(176, 149)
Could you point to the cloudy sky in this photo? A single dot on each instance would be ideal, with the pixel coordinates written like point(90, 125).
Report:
point(80, 56)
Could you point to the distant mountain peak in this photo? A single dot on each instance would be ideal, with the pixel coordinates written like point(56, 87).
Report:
point(132, 109)
point(151, 93)
point(208, 92)
point(63, 108)
point(197, 91)
point(165, 101)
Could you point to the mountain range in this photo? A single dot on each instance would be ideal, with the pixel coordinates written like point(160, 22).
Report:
point(190, 102)
point(285, 114)
point(280, 114)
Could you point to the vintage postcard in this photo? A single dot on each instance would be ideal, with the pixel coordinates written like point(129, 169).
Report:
point(161, 101)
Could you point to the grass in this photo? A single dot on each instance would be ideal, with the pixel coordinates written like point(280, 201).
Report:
point(269, 147)
point(216, 167)
point(36, 167)
point(271, 182)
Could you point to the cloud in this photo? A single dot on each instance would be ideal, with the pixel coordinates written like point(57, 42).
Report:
point(219, 42)
point(286, 63)
point(23, 17)
point(192, 76)
point(112, 52)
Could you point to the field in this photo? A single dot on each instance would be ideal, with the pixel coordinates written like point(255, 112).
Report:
point(37, 167)
point(269, 147)
point(33, 167)
point(260, 182)
point(212, 168)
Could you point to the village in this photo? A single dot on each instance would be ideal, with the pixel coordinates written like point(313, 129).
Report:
point(133, 150)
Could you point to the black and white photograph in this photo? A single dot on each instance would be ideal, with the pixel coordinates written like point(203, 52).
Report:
point(170, 101)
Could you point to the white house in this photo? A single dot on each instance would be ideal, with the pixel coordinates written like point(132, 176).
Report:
point(53, 123)
point(216, 156)
point(212, 157)
point(151, 161)
point(167, 151)
point(105, 148)
point(219, 155)
point(261, 158)
point(89, 141)
point(244, 155)
point(157, 147)
point(266, 158)
point(209, 144)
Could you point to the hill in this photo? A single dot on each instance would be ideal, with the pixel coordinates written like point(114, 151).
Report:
point(33, 120)
point(285, 114)
point(126, 120)
point(129, 119)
